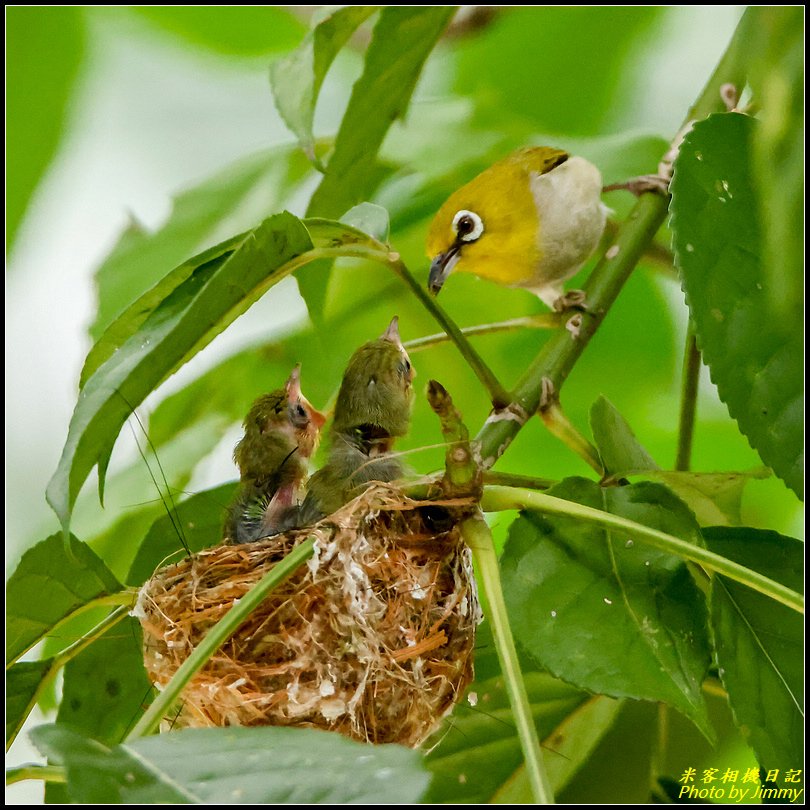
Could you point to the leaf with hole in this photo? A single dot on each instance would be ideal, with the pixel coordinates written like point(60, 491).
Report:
point(105, 687)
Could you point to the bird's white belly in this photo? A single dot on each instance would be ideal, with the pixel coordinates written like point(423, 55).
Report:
point(571, 221)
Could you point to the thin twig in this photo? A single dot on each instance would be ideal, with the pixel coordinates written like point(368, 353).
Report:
point(499, 396)
point(47, 773)
point(689, 391)
point(516, 480)
point(543, 320)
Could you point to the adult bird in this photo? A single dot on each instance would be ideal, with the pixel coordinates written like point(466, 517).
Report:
point(530, 220)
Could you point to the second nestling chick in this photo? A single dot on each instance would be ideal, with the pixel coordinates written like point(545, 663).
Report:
point(281, 433)
point(373, 408)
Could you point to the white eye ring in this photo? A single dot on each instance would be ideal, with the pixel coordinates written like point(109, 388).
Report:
point(477, 225)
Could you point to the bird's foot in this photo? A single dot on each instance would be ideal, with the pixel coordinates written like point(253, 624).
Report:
point(644, 183)
point(573, 299)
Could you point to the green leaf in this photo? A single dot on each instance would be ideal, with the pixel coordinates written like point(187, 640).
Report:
point(715, 498)
point(235, 766)
point(105, 686)
point(45, 46)
point(371, 219)
point(48, 586)
point(296, 78)
point(759, 644)
point(777, 78)
point(131, 319)
point(479, 751)
point(403, 38)
point(194, 525)
point(24, 682)
point(568, 748)
point(231, 201)
point(755, 360)
point(187, 320)
point(605, 613)
point(618, 446)
point(533, 64)
point(231, 30)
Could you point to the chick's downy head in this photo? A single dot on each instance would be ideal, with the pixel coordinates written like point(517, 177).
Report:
point(377, 393)
point(305, 420)
point(278, 424)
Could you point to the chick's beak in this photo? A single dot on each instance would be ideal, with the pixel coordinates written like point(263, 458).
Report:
point(293, 385)
point(441, 267)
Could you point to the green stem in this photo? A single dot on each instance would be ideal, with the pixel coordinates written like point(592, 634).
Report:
point(543, 320)
point(99, 630)
point(499, 498)
point(561, 350)
point(218, 635)
point(47, 773)
point(516, 480)
point(125, 597)
point(378, 252)
point(461, 474)
point(478, 537)
point(559, 425)
point(498, 394)
point(689, 391)
point(659, 753)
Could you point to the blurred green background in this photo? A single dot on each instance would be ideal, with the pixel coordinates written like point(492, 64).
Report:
point(112, 112)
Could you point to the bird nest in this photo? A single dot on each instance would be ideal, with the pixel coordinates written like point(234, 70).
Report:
point(372, 637)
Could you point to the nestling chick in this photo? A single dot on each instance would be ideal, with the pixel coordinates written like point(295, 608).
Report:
point(281, 433)
point(373, 408)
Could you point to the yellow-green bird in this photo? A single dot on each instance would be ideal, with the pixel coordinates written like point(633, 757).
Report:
point(530, 220)
point(281, 433)
point(373, 408)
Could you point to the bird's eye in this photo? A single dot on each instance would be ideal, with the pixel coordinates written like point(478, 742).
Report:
point(467, 225)
point(298, 415)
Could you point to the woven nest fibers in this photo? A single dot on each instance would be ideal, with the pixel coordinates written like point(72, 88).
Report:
point(372, 637)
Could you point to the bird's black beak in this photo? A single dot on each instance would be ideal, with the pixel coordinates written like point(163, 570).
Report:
point(441, 266)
